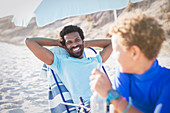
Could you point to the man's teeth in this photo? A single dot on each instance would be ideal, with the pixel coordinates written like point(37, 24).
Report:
point(76, 49)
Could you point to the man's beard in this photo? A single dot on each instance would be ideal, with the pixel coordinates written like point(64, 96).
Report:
point(77, 54)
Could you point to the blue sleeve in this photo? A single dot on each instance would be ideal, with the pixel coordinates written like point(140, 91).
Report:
point(163, 104)
point(121, 83)
point(55, 66)
point(59, 51)
point(99, 58)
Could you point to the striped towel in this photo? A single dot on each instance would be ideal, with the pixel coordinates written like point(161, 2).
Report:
point(54, 95)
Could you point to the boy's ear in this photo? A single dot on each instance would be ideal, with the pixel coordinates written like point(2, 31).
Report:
point(136, 52)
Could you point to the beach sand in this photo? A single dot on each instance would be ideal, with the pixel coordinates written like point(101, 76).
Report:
point(21, 88)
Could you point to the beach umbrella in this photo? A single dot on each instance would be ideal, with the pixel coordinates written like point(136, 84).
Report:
point(49, 11)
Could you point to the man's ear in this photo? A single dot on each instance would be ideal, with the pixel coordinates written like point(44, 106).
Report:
point(135, 52)
point(84, 43)
point(62, 43)
point(64, 47)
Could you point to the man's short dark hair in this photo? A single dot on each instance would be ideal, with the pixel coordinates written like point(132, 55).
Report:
point(69, 29)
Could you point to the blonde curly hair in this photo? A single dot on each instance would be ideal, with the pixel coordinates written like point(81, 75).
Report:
point(141, 30)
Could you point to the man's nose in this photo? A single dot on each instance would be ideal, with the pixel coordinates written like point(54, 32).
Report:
point(74, 44)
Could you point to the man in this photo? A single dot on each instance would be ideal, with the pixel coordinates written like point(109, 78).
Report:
point(73, 70)
point(140, 84)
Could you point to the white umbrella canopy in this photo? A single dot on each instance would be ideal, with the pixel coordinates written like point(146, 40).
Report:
point(51, 10)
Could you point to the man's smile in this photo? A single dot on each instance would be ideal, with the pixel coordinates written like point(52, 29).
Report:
point(76, 49)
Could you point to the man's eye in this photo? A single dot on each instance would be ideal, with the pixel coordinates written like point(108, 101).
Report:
point(78, 40)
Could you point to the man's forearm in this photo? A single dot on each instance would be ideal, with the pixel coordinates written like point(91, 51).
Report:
point(46, 41)
point(102, 43)
point(36, 46)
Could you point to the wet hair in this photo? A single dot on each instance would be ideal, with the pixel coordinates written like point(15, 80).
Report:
point(141, 30)
point(69, 29)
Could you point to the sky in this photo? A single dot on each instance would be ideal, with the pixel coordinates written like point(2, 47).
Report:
point(18, 7)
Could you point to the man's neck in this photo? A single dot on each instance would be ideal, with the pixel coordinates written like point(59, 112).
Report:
point(77, 57)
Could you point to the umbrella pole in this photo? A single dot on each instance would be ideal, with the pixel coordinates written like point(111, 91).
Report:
point(115, 15)
point(130, 2)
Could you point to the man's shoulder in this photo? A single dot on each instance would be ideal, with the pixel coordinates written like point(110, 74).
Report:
point(99, 58)
point(59, 51)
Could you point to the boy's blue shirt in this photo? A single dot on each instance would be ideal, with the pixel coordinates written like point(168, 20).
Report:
point(149, 92)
